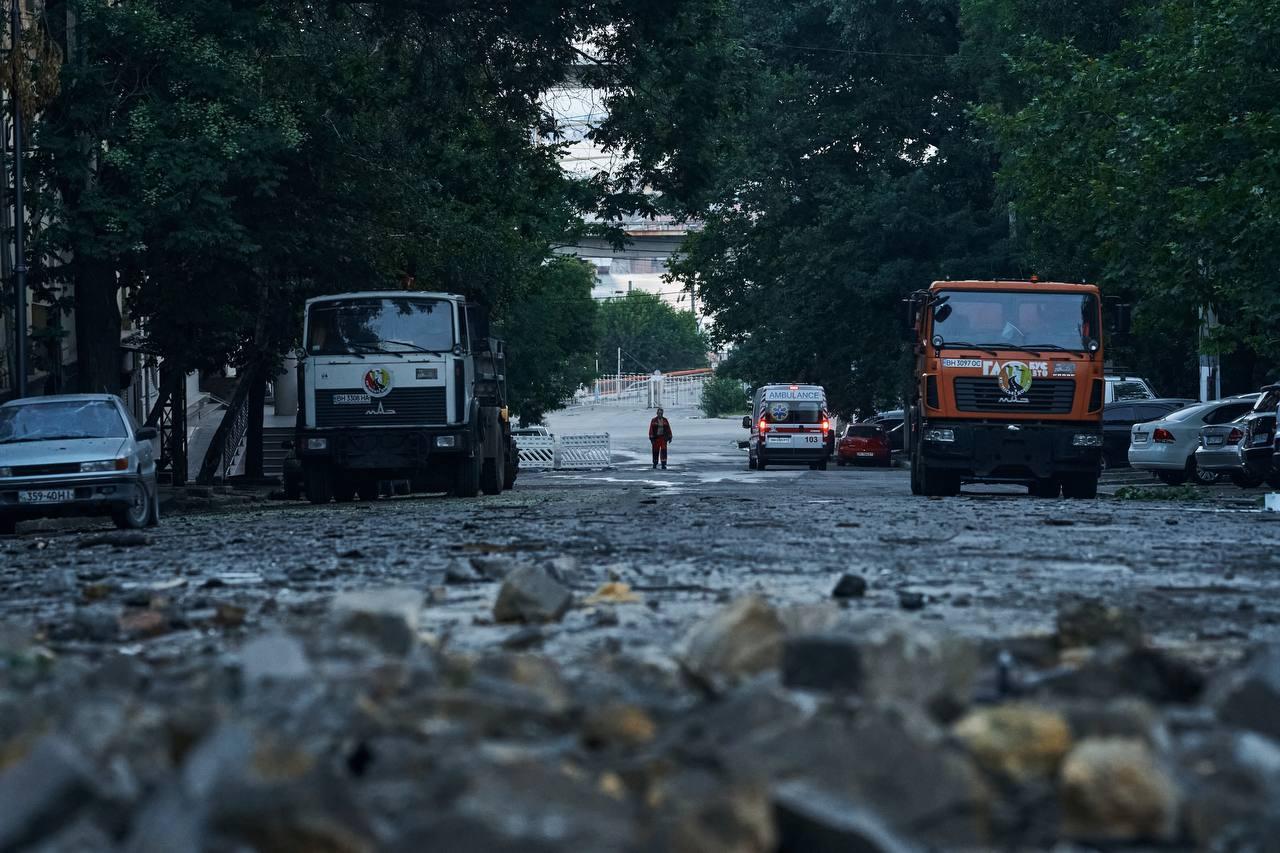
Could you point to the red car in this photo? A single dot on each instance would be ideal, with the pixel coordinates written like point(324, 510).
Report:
point(863, 444)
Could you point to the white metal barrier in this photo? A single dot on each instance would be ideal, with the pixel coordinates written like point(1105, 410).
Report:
point(536, 451)
point(586, 450)
point(565, 452)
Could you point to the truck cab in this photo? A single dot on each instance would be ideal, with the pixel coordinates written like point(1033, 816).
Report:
point(790, 425)
point(1008, 387)
point(401, 385)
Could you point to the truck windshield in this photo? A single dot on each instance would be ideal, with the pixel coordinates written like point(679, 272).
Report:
point(370, 325)
point(988, 318)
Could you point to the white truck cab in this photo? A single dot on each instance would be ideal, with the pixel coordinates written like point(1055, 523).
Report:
point(401, 385)
point(790, 425)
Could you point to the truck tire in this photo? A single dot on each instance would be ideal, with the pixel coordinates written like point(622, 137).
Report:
point(509, 473)
point(1046, 487)
point(466, 483)
point(938, 484)
point(491, 477)
point(319, 484)
point(344, 489)
point(368, 490)
point(1080, 486)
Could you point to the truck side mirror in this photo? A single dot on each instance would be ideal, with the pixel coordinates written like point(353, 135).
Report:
point(746, 421)
point(1121, 316)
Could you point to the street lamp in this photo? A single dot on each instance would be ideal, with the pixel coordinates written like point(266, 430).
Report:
point(19, 224)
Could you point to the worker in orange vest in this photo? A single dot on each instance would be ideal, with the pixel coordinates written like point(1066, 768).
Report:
point(659, 438)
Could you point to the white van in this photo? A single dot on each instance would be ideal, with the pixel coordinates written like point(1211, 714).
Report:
point(789, 425)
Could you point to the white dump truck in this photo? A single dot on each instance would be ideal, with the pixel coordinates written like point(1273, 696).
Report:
point(401, 386)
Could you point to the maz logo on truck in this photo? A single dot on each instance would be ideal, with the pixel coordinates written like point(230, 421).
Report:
point(1015, 377)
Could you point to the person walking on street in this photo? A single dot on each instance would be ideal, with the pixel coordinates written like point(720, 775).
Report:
point(659, 438)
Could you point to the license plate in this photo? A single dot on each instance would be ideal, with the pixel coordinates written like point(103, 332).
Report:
point(778, 439)
point(865, 453)
point(352, 399)
point(1211, 440)
point(47, 496)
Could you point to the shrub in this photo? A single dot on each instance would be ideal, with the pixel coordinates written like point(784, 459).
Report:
point(723, 396)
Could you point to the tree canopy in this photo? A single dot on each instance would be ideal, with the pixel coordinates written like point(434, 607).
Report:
point(651, 334)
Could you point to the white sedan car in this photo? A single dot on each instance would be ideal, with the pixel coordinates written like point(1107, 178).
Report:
point(1167, 447)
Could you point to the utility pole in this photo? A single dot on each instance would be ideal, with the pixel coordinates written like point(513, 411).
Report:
point(19, 216)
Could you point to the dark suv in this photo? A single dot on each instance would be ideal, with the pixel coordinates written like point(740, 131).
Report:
point(1257, 445)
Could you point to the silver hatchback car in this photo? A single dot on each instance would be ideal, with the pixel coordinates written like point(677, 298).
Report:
point(76, 454)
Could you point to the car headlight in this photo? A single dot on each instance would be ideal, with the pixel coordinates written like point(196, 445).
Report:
point(446, 441)
point(121, 464)
point(938, 434)
point(1086, 439)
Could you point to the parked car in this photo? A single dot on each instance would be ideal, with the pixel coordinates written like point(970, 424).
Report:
point(1243, 449)
point(863, 444)
point(894, 423)
point(76, 454)
point(1167, 447)
point(1123, 388)
point(1118, 420)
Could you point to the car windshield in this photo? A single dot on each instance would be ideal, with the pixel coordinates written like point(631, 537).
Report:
point(792, 412)
point(363, 326)
point(989, 318)
point(46, 421)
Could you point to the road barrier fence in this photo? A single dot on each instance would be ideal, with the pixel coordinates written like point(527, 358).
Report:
point(570, 452)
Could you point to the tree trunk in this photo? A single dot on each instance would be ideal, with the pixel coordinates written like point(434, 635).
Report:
point(97, 328)
point(253, 460)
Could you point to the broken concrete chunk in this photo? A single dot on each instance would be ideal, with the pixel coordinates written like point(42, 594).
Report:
point(1092, 622)
point(387, 617)
point(274, 656)
point(1114, 789)
point(742, 639)
point(1019, 742)
point(1250, 698)
point(529, 594)
point(43, 791)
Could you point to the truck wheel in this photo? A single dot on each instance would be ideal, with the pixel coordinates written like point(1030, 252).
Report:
point(344, 491)
point(319, 484)
point(509, 472)
point(943, 484)
point(491, 477)
point(1046, 487)
point(368, 490)
point(1080, 486)
point(466, 482)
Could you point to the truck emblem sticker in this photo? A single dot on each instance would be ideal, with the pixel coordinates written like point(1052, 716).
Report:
point(1015, 380)
point(380, 411)
point(377, 382)
point(779, 411)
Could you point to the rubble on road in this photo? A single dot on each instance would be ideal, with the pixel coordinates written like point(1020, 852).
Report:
point(769, 728)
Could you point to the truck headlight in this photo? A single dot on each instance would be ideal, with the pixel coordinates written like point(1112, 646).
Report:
point(446, 441)
point(939, 434)
point(1086, 439)
point(317, 444)
point(121, 464)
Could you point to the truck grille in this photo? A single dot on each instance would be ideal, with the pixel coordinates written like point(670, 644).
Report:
point(402, 407)
point(1045, 396)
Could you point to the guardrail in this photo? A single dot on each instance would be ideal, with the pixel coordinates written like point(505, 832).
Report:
point(573, 452)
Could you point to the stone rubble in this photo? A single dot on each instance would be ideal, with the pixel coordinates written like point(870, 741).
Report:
point(353, 727)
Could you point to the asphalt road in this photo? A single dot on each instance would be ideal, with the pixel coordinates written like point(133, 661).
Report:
point(1204, 575)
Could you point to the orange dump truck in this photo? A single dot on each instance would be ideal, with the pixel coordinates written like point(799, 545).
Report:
point(1008, 387)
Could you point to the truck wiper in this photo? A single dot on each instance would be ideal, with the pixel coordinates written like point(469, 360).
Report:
point(1021, 348)
point(967, 345)
point(412, 346)
point(1055, 348)
point(375, 348)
